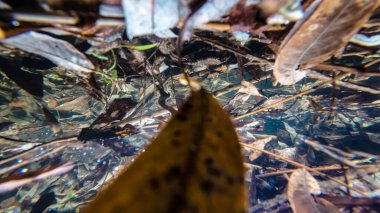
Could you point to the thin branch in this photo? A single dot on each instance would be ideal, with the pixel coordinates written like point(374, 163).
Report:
point(294, 163)
point(349, 85)
point(335, 68)
point(325, 168)
point(289, 98)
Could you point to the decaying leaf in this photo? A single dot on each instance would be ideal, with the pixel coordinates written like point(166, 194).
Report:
point(319, 35)
point(259, 143)
point(249, 89)
point(324, 205)
point(300, 187)
point(58, 51)
point(194, 164)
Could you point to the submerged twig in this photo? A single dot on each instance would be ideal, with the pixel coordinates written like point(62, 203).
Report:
point(303, 166)
point(349, 85)
point(289, 98)
point(335, 68)
point(325, 168)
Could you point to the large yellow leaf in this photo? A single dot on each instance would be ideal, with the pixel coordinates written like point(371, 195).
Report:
point(194, 165)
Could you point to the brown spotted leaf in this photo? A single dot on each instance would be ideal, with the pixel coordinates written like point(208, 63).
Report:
point(194, 165)
point(325, 30)
point(300, 187)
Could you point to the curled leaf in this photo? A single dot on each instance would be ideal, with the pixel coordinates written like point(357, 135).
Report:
point(194, 164)
point(320, 34)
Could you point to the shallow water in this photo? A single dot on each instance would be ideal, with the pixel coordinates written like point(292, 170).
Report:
point(31, 142)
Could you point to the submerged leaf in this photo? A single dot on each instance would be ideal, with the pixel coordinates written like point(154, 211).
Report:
point(319, 35)
point(194, 165)
point(58, 51)
point(300, 187)
point(146, 17)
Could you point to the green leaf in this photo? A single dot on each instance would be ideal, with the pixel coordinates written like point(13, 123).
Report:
point(143, 47)
point(99, 56)
point(114, 74)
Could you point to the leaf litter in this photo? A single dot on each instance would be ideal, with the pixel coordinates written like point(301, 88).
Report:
point(294, 122)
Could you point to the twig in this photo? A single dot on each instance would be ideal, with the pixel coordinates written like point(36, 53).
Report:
point(328, 168)
point(10, 168)
point(238, 52)
point(349, 85)
point(289, 98)
point(19, 155)
point(302, 166)
point(230, 88)
point(335, 68)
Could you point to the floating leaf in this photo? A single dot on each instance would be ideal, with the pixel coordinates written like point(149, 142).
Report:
point(300, 187)
point(319, 35)
point(194, 165)
point(58, 51)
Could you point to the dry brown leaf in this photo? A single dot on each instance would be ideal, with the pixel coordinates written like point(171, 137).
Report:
point(324, 205)
point(300, 187)
point(260, 143)
point(319, 35)
point(249, 89)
